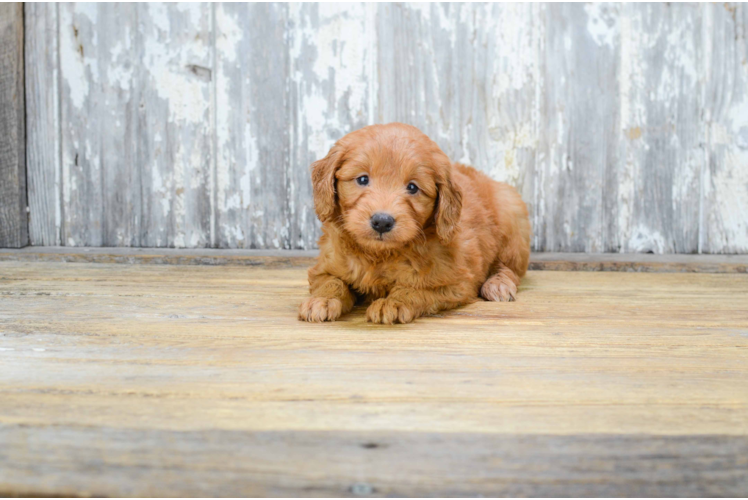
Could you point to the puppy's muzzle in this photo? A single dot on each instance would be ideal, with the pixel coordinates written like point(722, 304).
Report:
point(382, 223)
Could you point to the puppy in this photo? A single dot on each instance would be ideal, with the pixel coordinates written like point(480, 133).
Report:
point(409, 231)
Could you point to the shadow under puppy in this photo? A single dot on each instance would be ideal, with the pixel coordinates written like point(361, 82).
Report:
point(410, 231)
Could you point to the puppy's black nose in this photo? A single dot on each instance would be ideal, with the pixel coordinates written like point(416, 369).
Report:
point(382, 223)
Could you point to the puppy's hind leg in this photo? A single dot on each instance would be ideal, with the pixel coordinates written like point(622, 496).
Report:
point(500, 287)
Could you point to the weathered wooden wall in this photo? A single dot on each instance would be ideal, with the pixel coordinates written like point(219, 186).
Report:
point(625, 127)
point(13, 219)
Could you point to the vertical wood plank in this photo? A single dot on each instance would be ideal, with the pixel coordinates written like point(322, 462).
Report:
point(136, 98)
point(42, 123)
point(101, 194)
point(467, 75)
point(118, 65)
point(651, 194)
point(81, 130)
point(13, 217)
point(332, 92)
point(580, 110)
point(252, 124)
point(175, 124)
point(725, 177)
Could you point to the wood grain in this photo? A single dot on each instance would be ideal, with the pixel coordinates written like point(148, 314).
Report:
point(334, 71)
point(156, 380)
point(135, 95)
point(652, 194)
point(621, 125)
point(42, 74)
point(468, 80)
point(378, 464)
point(725, 174)
point(98, 119)
point(14, 225)
point(252, 85)
point(578, 140)
point(177, 123)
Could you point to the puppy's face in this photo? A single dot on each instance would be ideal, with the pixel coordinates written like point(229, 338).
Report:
point(386, 193)
point(389, 182)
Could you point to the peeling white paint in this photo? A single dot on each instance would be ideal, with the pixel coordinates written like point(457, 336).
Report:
point(78, 69)
point(235, 233)
point(730, 190)
point(159, 15)
point(186, 96)
point(340, 45)
point(119, 72)
point(644, 239)
point(178, 205)
point(228, 37)
point(502, 111)
point(633, 110)
point(233, 202)
point(737, 118)
point(196, 13)
point(602, 22)
point(161, 190)
point(169, 63)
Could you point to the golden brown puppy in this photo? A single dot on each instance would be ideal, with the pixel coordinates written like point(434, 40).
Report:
point(409, 230)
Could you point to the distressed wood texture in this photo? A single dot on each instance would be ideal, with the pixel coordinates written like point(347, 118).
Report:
point(622, 125)
point(725, 173)
point(660, 132)
point(577, 141)
point(200, 381)
point(14, 231)
point(465, 74)
point(43, 111)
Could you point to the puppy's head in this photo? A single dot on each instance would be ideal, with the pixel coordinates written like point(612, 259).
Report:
point(386, 185)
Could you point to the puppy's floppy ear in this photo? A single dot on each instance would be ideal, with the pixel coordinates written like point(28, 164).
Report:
point(449, 206)
point(323, 183)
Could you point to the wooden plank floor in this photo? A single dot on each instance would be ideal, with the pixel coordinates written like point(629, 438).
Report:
point(198, 380)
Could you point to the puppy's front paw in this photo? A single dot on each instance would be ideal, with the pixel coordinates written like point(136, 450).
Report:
point(318, 309)
point(388, 312)
point(498, 288)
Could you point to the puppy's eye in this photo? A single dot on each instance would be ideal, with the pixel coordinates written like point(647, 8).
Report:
point(412, 188)
point(363, 180)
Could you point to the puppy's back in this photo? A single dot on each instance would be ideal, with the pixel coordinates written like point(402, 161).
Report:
point(499, 205)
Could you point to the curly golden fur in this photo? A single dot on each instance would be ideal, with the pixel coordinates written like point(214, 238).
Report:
point(454, 233)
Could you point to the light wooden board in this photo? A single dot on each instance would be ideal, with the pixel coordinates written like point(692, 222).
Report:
point(162, 380)
point(14, 227)
point(623, 126)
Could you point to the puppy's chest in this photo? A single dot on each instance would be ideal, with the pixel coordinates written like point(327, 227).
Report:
point(377, 279)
